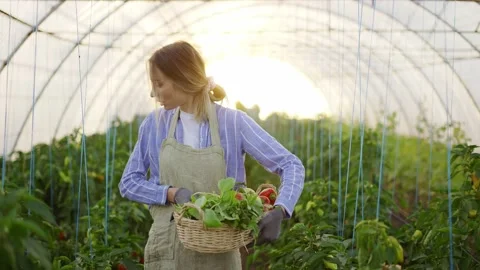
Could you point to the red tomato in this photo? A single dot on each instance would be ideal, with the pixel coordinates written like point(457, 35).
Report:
point(62, 236)
point(239, 196)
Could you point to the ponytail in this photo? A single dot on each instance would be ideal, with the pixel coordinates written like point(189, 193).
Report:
point(204, 100)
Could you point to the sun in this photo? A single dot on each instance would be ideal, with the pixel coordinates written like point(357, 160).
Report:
point(273, 85)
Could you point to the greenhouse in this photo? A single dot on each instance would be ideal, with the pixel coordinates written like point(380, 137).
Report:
point(358, 121)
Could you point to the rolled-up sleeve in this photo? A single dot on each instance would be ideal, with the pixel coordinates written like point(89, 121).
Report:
point(275, 158)
point(134, 184)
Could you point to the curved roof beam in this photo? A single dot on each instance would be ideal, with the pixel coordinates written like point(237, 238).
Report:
point(439, 55)
point(310, 73)
point(376, 74)
point(14, 51)
point(409, 59)
point(323, 10)
point(379, 33)
point(125, 57)
point(446, 23)
point(204, 18)
point(72, 49)
point(444, 59)
point(373, 81)
point(112, 71)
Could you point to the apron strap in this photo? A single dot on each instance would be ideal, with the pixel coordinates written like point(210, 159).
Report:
point(173, 124)
point(214, 132)
point(212, 117)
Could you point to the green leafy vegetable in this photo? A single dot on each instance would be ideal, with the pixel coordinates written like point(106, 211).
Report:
point(225, 208)
point(226, 184)
point(211, 220)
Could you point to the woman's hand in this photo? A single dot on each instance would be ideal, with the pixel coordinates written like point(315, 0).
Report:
point(179, 195)
point(270, 225)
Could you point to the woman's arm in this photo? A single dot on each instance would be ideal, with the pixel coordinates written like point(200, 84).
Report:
point(133, 184)
point(275, 158)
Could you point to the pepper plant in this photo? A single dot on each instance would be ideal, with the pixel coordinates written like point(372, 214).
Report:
point(24, 237)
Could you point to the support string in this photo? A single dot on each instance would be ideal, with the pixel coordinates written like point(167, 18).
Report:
point(449, 138)
point(358, 79)
point(363, 111)
point(339, 202)
point(107, 150)
point(5, 139)
point(83, 155)
point(32, 153)
point(387, 90)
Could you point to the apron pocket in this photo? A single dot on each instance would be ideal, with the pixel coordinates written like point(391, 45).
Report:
point(161, 243)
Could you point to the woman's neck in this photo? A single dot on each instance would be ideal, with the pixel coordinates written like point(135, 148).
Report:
point(188, 106)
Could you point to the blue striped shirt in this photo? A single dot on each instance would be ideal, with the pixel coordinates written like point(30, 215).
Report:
point(239, 134)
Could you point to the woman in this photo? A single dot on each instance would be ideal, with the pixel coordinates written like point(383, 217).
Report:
point(197, 142)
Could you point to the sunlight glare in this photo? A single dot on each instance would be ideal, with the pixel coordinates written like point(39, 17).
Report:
point(273, 85)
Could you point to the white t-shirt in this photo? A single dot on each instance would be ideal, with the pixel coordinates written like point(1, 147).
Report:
point(191, 130)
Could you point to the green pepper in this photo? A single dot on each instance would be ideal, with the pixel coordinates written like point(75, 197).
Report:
point(417, 235)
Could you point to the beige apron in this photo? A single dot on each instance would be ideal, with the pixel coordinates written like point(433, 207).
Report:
point(198, 170)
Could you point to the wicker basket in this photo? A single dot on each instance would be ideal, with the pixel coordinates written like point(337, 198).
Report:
point(194, 235)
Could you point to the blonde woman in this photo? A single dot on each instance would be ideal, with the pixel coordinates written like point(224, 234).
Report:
point(190, 144)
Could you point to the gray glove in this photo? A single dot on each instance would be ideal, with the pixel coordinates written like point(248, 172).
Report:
point(239, 185)
point(182, 196)
point(270, 226)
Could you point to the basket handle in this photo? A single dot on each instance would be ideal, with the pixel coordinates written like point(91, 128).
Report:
point(188, 204)
point(262, 186)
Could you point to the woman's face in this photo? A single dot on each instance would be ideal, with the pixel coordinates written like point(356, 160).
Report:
point(164, 91)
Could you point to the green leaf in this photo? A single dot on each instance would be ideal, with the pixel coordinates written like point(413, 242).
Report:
point(200, 202)
point(40, 208)
point(39, 252)
point(226, 216)
point(226, 184)
point(193, 212)
point(138, 214)
point(129, 264)
point(66, 161)
point(228, 197)
point(419, 256)
point(65, 178)
point(211, 220)
point(346, 243)
point(30, 226)
point(119, 251)
point(8, 253)
point(62, 259)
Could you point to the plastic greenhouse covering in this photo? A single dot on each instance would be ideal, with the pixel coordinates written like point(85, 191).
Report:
point(426, 53)
point(311, 72)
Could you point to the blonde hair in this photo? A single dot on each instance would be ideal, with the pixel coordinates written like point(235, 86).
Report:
point(183, 64)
